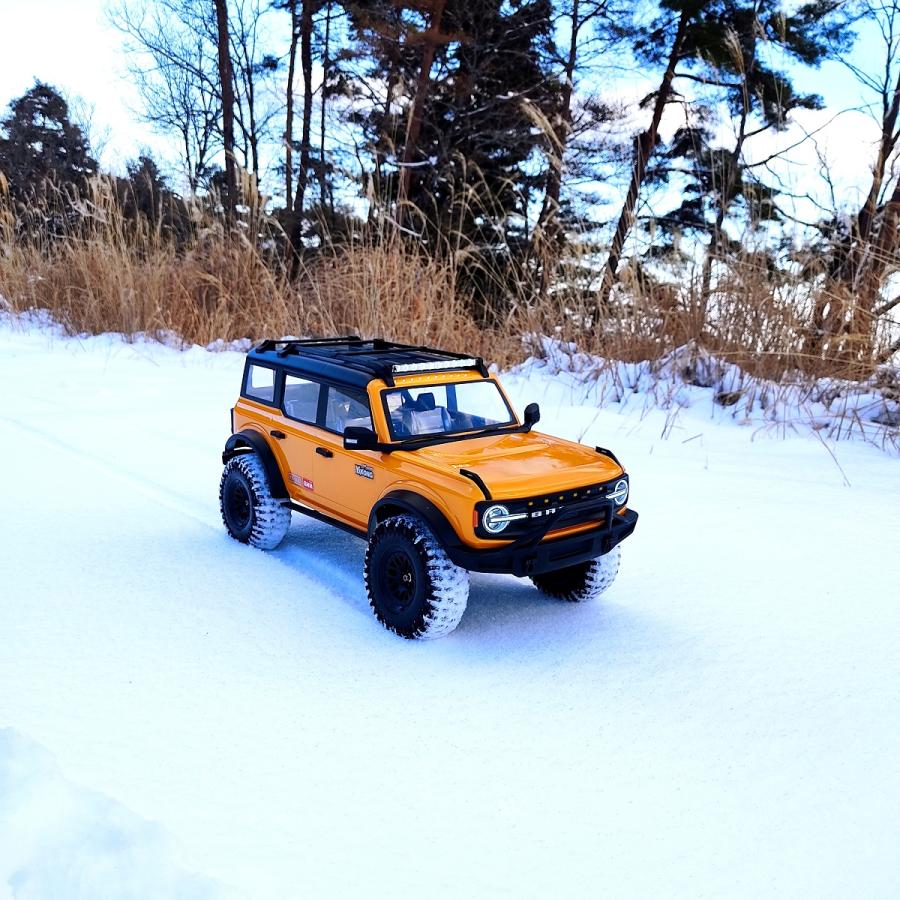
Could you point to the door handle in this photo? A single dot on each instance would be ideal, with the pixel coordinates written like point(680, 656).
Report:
point(278, 435)
point(324, 451)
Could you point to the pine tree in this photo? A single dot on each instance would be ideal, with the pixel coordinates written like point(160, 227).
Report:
point(733, 54)
point(454, 140)
point(663, 43)
point(589, 30)
point(41, 147)
point(728, 48)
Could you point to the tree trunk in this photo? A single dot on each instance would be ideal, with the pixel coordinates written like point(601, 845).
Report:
point(851, 285)
point(644, 147)
point(547, 230)
point(430, 40)
point(873, 269)
point(326, 65)
point(226, 84)
point(306, 30)
point(251, 112)
point(728, 181)
point(379, 189)
point(863, 224)
point(289, 114)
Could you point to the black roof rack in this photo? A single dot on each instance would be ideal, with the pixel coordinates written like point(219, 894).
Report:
point(356, 361)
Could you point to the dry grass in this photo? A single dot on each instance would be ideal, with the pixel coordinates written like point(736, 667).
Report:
point(107, 273)
point(113, 275)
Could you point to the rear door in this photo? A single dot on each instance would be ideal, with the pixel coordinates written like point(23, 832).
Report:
point(347, 482)
point(297, 433)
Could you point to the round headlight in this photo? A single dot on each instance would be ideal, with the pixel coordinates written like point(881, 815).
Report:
point(619, 494)
point(495, 518)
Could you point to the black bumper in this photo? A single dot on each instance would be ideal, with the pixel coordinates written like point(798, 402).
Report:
point(532, 555)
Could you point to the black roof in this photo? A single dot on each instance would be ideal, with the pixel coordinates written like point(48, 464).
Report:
point(354, 361)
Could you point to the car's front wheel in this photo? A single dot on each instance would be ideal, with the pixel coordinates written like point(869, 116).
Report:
point(414, 588)
point(582, 582)
point(250, 513)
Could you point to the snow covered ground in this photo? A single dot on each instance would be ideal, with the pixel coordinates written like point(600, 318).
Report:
point(182, 716)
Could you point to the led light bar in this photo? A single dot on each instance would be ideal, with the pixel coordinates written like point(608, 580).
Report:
point(435, 366)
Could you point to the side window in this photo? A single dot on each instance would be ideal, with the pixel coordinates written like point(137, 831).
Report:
point(301, 398)
point(261, 384)
point(344, 410)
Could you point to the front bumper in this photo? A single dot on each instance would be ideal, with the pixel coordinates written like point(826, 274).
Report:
point(532, 555)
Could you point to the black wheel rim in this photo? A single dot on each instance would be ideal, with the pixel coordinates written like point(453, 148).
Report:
point(399, 580)
point(238, 504)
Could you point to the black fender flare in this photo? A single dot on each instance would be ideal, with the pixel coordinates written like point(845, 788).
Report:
point(411, 502)
point(253, 442)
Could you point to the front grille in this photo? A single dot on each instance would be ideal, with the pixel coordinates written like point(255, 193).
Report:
point(566, 509)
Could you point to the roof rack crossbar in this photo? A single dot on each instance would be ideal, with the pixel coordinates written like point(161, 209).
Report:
point(287, 343)
point(355, 353)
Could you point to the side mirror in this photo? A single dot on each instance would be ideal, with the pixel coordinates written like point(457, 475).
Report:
point(532, 414)
point(357, 438)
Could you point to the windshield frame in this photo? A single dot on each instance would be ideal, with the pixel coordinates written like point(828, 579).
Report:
point(441, 436)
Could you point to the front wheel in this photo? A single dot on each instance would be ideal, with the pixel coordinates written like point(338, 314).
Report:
point(582, 582)
point(414, 588)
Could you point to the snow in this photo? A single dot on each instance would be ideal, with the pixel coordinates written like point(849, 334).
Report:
point(59, 840)
point(690, 377)
point(228, 722)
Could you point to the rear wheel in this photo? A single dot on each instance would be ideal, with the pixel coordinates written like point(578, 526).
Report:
point(250, 513)
point(414, 588)
point(582, 582)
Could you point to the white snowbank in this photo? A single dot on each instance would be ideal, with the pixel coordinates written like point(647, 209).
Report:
point(690, 377)
point(60, 841)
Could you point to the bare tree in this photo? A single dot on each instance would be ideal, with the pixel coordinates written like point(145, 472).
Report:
point(174, 64)
point(252, 67)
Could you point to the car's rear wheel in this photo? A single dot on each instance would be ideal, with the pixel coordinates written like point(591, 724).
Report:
point(250, 513)
point(582, 582)
point(414, 588)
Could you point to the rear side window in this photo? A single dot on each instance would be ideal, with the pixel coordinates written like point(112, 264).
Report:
point(301, 398)
point(260, 384)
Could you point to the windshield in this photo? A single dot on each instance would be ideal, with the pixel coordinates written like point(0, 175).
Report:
point(446, 408)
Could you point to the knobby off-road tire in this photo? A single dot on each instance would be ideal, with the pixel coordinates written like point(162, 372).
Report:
point(582, 582)
point(250, 513)
point(414, 588)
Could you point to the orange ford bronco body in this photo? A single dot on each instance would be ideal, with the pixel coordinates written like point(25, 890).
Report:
point(419, 452)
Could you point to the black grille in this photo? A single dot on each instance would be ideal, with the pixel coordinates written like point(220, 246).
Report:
point(561, 509)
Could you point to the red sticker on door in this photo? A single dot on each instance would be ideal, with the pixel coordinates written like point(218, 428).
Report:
point(301, 482)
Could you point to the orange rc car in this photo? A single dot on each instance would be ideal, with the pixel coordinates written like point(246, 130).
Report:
point(419, 452)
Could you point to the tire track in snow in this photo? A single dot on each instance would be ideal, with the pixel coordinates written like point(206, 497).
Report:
point(304, 561)
point(154, 491)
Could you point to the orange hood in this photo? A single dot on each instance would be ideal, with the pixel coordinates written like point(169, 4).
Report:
point(524, 465)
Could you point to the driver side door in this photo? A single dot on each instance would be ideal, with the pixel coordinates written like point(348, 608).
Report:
point(347, 482)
